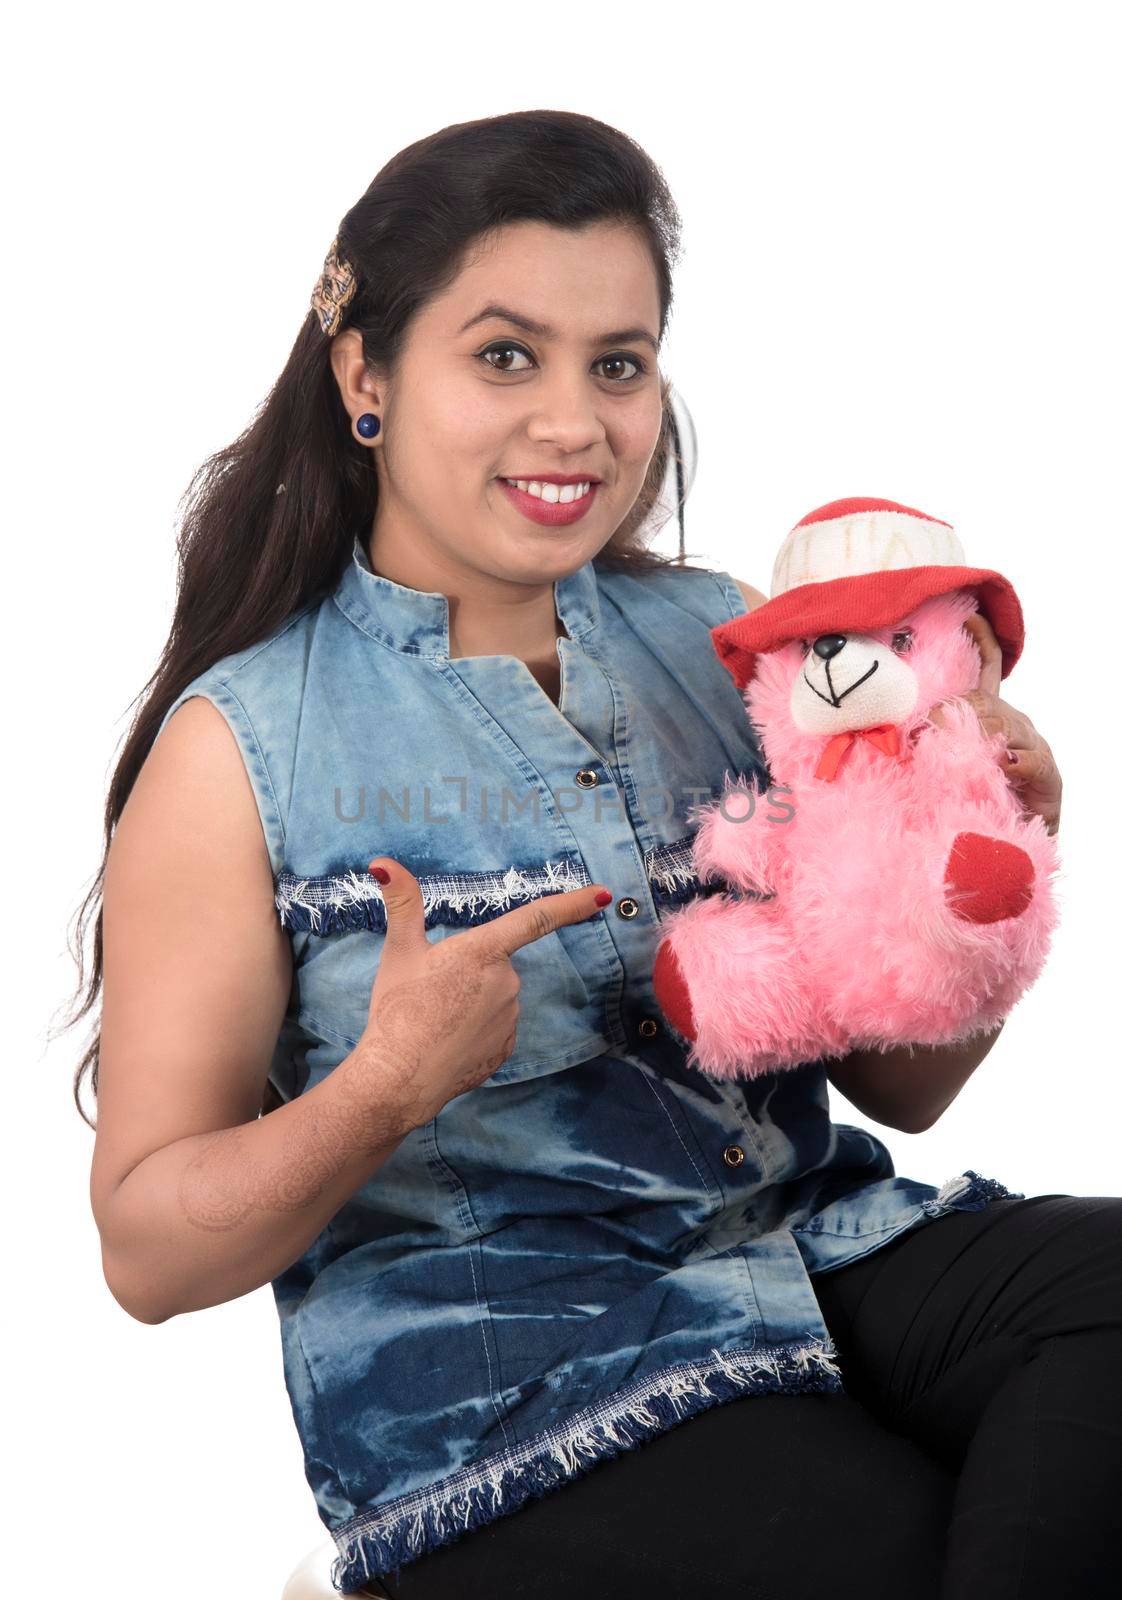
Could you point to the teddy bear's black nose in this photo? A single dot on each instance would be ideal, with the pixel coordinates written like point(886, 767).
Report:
point(827, 645)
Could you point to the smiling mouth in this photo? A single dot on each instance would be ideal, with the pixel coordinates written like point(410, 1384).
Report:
point(549, 512)
point(833, 699)
point(553, 494)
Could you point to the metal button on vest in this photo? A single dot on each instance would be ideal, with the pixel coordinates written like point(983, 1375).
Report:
point(648, 1027)
point(587, 778)
point(734, 1155)
point(627, 907)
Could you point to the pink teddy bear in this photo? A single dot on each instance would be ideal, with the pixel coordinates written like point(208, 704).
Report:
point(889, 887)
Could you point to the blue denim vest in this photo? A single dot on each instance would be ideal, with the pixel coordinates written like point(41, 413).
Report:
point(597, 1242)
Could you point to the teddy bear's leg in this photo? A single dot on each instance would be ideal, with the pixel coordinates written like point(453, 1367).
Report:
point(672, 991)
point(987, 880)
point(727, 978)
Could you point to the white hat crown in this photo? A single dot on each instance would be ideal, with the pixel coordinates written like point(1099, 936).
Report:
point(878, 537)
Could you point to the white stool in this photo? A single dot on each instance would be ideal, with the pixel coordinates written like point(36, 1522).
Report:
point(311, 1580)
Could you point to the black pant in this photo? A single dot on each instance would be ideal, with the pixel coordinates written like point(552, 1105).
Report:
point(976, 1455)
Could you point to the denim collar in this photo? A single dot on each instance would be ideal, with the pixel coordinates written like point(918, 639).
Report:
point(415, 622)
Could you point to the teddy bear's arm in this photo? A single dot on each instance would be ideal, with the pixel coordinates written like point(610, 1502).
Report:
point(741, 837)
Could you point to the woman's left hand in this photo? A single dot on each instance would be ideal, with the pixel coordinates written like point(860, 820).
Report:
point(1028, 761)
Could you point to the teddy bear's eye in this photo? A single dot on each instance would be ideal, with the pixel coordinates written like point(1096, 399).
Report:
point(804, 646)
point(903, 640)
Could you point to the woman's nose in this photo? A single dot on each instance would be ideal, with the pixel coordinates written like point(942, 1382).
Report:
point(568, 415)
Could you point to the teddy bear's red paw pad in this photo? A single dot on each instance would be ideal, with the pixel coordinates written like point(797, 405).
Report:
point(991, 879)
point(672, 993)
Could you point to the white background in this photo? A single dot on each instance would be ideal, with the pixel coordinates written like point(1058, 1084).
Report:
point(900, 278)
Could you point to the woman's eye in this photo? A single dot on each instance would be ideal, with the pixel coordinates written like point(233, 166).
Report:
point(634, 361)
point(502, 349)
point(506, 348)
point(901, 641)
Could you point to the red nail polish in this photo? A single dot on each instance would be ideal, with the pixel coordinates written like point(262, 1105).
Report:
point(380, 873)
point(603, 897)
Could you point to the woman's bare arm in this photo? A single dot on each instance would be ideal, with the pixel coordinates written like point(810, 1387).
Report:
point(752, 597)
point(910, 1086)
point(197, 1198)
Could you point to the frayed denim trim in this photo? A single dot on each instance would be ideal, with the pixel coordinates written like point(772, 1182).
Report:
point(337, 901)
point(670, 867)
point(673, 877)
point(672, 874)
point(967, 1192)
point(380, 1541)
point(344, 900)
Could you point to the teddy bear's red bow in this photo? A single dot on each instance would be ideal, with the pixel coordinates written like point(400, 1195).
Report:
point(884, 735)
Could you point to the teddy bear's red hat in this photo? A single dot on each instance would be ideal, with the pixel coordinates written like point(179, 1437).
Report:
point(855, 565)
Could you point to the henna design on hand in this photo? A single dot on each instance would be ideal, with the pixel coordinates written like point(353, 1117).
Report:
point(382, 1095)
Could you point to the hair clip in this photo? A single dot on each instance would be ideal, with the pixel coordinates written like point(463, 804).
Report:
point(334, 290)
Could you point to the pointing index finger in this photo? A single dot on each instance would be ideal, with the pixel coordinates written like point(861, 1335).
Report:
point(524, 924)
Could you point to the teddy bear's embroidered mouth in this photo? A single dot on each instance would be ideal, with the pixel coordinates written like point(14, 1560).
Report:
point(833, 698)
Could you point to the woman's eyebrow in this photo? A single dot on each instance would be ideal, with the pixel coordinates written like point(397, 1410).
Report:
point(543, 331)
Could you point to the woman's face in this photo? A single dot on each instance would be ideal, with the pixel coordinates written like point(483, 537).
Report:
point(479, 398)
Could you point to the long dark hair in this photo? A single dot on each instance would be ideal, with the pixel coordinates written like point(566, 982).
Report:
point(249, 553)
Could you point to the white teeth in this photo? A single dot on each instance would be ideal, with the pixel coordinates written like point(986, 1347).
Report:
point(554, 493)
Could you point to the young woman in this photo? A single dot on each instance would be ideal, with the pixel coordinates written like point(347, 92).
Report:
point(433, 724)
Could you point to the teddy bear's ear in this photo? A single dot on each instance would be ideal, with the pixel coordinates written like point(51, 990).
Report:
point(739, 660)
point(998, 603)
point(744, 670)
point(978, 626)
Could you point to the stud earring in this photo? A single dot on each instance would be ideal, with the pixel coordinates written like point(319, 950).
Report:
point(368, 425)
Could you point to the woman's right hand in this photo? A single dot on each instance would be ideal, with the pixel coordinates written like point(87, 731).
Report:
point(443, 1016)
